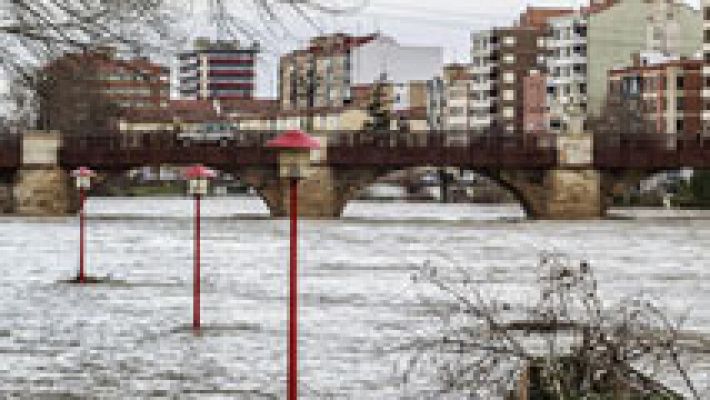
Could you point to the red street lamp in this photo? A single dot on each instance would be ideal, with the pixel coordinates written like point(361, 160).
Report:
point(294, 161)
point(83, 176)
point(198, 177)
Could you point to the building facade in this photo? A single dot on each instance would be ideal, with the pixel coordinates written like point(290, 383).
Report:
point(222, 70)
point(502, 58)
point(567, 67)
point(456, 104)
point(85, 91)
point(625, 27)
point(326, 72)
point(657, 97)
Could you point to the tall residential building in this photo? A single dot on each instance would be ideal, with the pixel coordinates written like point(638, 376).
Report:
point(501, 60)
point(223, 70)
point(567, 67)
point(324, 74)
point(706, 66)
point(456, 92)
point(626, 27)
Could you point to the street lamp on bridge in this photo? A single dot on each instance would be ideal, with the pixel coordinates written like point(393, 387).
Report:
point(198, 184)
point(294, 164)
point(83, 176)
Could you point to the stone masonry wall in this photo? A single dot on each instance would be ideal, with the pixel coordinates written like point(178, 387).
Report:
point(45, 192)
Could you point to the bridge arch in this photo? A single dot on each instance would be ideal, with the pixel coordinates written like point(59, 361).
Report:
point(263, 181)
point(525, 186)
point(621, 182)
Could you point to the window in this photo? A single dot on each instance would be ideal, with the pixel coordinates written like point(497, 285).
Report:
point(508, 95)
point(456, 111)
point(707, 13)
point(582, 88)
point(680, 104)
point(680, 82)
point(509, 41)
point(679, 126)
point(508, 112)
point(541, 42)
point(509, 58)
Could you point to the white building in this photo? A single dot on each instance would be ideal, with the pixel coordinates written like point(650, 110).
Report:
point(481, 86)
point(400, 63)
point(567, 68)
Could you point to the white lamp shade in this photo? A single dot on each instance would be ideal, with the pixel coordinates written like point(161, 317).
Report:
point(198, 186)
point(83, 182)
point(295, 164)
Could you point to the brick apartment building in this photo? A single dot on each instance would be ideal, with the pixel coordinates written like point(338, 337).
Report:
point(222, 70)
point(502, 59)
point(663, 96)
point(86, 90)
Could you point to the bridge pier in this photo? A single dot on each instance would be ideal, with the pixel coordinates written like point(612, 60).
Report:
point(44, 192)
point(318, 196)
point(41, 187)
point(573, 189)
point(7, 197)
point(571, 194)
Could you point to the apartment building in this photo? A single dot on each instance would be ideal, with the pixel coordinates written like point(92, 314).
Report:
point(456, 92)
point(501, 60)
point(657, 95)
point(325, 73)
point(223, 70)
point(567, 67)
point(86, 90)
point(617, 30)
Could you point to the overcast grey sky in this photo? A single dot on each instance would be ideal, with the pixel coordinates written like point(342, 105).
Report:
point(446, 23)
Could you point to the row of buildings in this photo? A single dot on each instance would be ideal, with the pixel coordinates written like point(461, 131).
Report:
point(575, 56)
point(634, 64)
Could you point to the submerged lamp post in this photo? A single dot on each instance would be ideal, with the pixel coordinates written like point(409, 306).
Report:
point(198, 182)
point(294, 164)
point(83, 176)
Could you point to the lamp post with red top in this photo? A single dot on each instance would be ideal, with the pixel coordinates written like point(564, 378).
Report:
point(294, 161)
point(83, 176)
point(198, 183)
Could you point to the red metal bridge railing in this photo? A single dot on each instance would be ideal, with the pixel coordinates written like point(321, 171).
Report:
point(651, 152)
point(454, 149)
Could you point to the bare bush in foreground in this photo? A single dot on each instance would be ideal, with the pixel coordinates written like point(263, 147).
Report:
point(568, 345)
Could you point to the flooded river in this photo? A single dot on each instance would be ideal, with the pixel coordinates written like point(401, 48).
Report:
point(130, 339)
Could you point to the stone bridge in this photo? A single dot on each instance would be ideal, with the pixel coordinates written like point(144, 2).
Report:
point(571, 176)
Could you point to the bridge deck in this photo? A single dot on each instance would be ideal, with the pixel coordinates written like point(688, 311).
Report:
point(658, 152)
point(10, 151)
point(112, 151)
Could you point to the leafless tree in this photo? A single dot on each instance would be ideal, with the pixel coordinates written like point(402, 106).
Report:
point(568, 345)
point(38, 30)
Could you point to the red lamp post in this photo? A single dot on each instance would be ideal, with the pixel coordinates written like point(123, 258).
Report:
point(83, 176)
point(198, 177)
point(294, 159)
